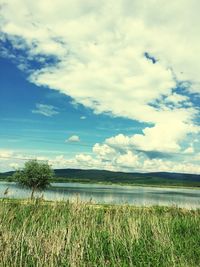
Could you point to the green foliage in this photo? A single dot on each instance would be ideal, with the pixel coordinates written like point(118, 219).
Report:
point(34, 175)
point(77, 234)
point(102, 176)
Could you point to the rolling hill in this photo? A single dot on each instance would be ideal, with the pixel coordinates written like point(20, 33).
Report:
point(92, 176)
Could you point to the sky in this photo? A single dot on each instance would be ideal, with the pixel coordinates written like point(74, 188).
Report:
point(102, 84)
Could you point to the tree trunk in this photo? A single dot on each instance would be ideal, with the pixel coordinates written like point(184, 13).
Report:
point(32, 193)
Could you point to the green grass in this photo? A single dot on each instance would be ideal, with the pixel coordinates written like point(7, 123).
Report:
point(151, 181)
point(88, 182)
point(76, 234)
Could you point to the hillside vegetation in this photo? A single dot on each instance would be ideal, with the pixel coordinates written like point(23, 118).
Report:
point(96, 176)
point(65, 234)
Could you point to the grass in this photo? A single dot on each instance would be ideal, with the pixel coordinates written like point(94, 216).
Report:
point(152, 182)
point(39, 233)
point(55, 187)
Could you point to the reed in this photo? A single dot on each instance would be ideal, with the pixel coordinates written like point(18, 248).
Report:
point(39, 233)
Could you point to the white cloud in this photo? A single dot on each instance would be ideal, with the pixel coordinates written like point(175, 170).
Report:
point(127, 160)
point(177, 98)
point(83, 117)
point(165, 136)
point(14, 166)
point(46, 110)
point(131, 161)
point(5, 154)
point(189, 150)
point(73, 138)
point(99, 49)
point(119, 141)
point(104, 151)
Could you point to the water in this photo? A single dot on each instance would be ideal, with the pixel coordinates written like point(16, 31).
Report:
point(110, 194)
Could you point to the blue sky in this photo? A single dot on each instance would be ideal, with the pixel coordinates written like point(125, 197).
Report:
point(24, 129)
point(89, 87)
point(37, 134)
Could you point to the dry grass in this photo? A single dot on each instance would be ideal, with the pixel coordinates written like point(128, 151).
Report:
point(77, 234)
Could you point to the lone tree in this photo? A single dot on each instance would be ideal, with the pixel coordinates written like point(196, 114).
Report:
point(34, 175)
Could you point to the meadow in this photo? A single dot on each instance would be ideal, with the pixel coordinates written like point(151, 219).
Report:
point(40, 233)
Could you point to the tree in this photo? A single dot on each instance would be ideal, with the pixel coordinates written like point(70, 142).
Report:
point(34, 175)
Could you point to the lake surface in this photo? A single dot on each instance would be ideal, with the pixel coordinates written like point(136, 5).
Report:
point(110, 194)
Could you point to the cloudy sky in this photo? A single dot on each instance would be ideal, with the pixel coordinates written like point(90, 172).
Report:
point(108, 84)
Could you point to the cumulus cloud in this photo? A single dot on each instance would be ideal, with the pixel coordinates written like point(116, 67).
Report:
point(124, 58)
point(14, 166)
point(4, 153)
point(15, 159)
point(73, 139)
point(107, 158)
point(83, 117)
point(46, 110)
point(104, 151)
point(189, 150)
point(131, 160)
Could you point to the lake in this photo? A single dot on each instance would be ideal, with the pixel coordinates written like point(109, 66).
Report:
point(110, 194)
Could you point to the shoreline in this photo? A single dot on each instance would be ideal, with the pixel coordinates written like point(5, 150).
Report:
point(118, 183)
point(90, 204)
point(175, 186)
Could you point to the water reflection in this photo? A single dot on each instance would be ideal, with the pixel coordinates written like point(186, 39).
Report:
point(110, 194)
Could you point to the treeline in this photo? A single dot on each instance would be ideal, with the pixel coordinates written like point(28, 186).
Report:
point(92, 176)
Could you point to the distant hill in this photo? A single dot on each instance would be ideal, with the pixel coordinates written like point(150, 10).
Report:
point(102, 174)
point(154, 178)
point(6, 174)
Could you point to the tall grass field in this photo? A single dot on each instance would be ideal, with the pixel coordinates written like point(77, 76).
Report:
point(39, 233)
